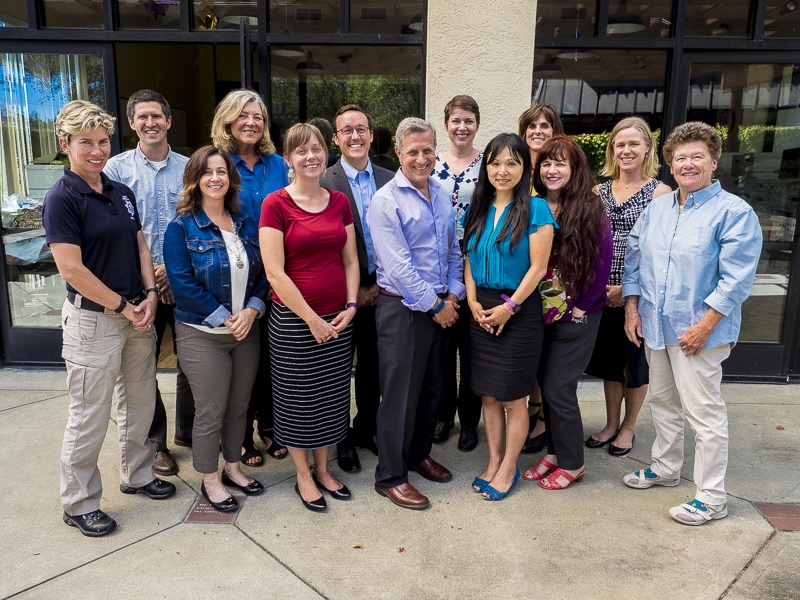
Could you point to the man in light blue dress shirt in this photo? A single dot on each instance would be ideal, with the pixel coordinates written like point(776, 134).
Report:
point(419, 273)
point(690, 264)
point(358, 179)
point(155, 174)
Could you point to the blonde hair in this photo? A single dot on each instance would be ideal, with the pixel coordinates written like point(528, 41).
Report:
point(299, 134)
point(228, 110)
point(650, 164)
point(79, 117)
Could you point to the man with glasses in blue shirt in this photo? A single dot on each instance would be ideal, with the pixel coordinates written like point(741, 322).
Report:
point(155, 174)
point(358, 178)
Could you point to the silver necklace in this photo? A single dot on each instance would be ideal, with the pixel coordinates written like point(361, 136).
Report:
point(235, 250)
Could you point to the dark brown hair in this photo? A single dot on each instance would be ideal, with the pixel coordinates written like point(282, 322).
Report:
point(348, 108)
point(192, 197)
point(581, 214)
point(463, 102)
point(550, 113)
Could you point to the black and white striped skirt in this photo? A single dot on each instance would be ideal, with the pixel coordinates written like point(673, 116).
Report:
point(310, 381)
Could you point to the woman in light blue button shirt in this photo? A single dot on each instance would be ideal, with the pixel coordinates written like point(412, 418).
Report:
point(508, 236)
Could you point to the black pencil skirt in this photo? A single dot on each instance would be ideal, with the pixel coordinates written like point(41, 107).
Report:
point(504, 366)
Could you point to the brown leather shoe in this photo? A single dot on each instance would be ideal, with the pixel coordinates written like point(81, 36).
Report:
point(183, 441)
point(430, 469)
point(164, 463)
point(405, 495)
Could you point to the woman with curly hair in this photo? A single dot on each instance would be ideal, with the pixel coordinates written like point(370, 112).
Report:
point(573, 295)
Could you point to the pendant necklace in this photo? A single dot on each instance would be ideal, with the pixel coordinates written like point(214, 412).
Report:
point(235, 250)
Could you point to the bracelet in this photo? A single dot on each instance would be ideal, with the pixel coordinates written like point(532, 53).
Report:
point(351, 304)
point(123, 302)
point(437, 309)
point(156, 290)
point(509, 310)
point(515, 308)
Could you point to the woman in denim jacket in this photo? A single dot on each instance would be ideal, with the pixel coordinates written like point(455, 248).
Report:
point(213, 263)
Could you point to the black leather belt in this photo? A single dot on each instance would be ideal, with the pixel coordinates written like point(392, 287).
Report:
point(87, 304)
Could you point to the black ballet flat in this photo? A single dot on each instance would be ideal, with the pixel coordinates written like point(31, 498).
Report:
point(251, 489)
point(226, 505)
point(593, 443)
point(617, 451)
point(343, 493)
point(318, 505)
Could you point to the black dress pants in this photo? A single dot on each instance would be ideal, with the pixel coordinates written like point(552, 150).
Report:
point(458, 394)
point(184, 401)
point(412, 350)
point(367, 378)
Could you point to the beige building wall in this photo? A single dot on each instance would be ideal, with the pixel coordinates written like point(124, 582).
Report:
point(483, 48)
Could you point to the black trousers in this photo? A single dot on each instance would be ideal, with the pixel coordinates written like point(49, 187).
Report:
point(412, 350)
point(184, 401)
point(260, 407)
point(367, 379)
point(458, 394)
point(565, 355)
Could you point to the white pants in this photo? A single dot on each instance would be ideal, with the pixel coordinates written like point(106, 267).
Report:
point(690, 385)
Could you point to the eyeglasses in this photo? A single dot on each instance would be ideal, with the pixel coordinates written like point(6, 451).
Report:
point(348, 131)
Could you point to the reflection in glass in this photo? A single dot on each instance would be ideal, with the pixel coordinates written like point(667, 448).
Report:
point(555, 18)
point(304, 16)
point(782, 19)
point(639, 20)
point(599, 88)
point(385, 80)
point(13, 13)
point(369, 16)
point(756, 110)
point(718, 19)
point(224, 14)
point(73, 13)
point(33, 88)
point(149, 14)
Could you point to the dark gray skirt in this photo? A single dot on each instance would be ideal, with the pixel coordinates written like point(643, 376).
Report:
point(504, 366)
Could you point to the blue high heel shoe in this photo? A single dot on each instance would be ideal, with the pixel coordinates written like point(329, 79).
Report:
point(479, 485)
point(494, 494)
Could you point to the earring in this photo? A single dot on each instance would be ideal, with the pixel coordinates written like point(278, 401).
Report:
point(324, 169)
point(291, 173)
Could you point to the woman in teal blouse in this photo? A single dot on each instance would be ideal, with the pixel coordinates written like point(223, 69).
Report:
point(508, 237)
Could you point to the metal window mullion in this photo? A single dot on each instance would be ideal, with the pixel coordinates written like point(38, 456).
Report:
point(110, 21)
point(187, 10)
point(35, 14)
point(758, 14)
point(603, 9)
point(344, 16)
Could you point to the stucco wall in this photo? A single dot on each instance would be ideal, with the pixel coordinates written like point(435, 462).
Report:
point(483, 48)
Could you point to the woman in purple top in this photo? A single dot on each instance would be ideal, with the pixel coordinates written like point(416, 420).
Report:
point(573, 295)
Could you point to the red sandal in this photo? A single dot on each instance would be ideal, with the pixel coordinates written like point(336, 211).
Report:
point(533, 473)
point(551, 481)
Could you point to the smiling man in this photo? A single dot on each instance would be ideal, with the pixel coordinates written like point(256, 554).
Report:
point(419, 274)
point(358, 179)
point(690, 264)
point(155, 174)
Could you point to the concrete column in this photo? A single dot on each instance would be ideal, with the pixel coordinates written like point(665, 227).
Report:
point(483, 48)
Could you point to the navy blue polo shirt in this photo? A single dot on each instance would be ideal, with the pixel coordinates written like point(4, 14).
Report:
point(105, 226)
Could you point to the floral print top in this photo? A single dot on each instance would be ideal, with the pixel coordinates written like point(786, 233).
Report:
point(459, 186)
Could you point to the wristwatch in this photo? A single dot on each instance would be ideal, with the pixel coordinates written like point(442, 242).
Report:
point(582, 320)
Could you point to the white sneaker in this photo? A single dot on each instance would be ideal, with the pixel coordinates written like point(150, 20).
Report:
point(697, 513)
point(641, 480)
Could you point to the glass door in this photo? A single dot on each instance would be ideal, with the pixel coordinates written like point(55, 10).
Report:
point(33, 88)
point(755, 106)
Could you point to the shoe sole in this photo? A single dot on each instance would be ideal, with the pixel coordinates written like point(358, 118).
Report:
point(664, 483)
point(90, 533)
point(141, 491)
point(429, 478)
point(396, 503)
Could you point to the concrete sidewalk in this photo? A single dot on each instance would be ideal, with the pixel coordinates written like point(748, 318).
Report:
point(598, 539)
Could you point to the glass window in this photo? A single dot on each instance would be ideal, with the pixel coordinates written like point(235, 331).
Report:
point(565, 19)
point(369, 16)
point(756, 111)
point(592, 90)
point(782, 19)
point(304, 16)
point(224, 14)
point(718, 19)
point(73, 13)
point(146, 14)
point(13, 13)
point(640, 20)
point(33, 88)
point(384, 80)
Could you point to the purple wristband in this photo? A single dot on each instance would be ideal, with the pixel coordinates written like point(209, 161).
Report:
point(508, 310)
point(509, 300)
point(353, 304)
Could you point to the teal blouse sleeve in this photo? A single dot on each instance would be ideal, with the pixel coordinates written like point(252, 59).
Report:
point(540, 214)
